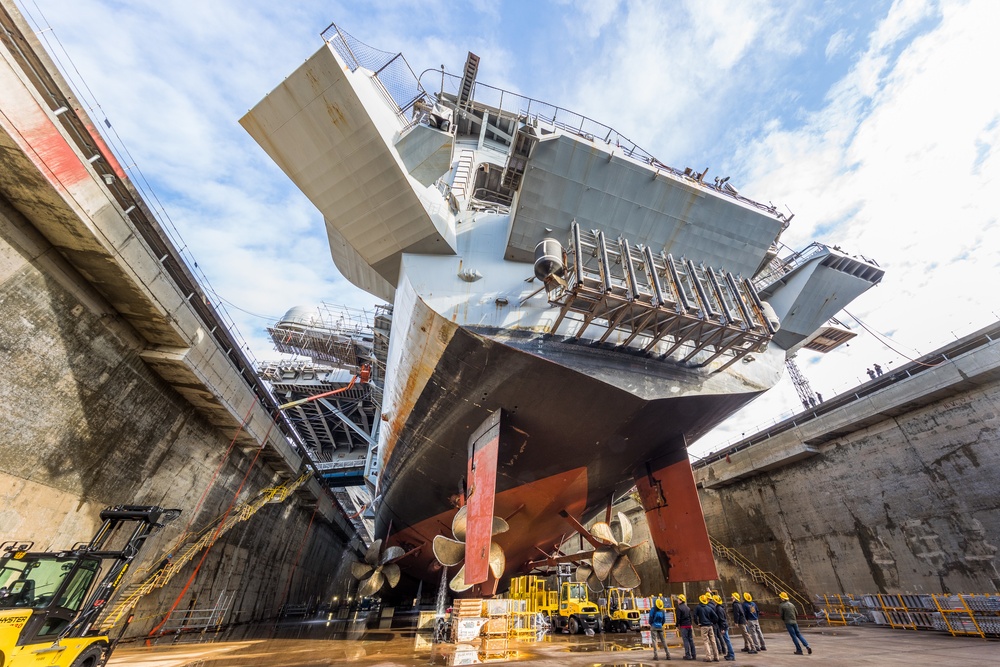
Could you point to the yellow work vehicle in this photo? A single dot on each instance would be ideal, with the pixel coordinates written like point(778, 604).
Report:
point(49, 601)
point(569, 610)
point(574, 612)
point(621, 614)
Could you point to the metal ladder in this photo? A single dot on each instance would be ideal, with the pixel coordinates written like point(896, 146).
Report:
point(759, 576)
point(463, 175)
point(187, 551)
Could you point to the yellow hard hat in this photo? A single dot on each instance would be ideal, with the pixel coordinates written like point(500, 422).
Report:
point(736, 596)
point(717, 598)
point(703, 598)
point(659, 603)
point(783, 595)
point(682, 597)
point(746, 596)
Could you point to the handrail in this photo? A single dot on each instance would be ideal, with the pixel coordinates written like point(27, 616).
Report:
point(579, 125)
point(759, 575)
point(947, 353)
point(208, 537)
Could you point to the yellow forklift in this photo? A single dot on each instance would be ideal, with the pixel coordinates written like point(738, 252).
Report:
point(47, 618)
point(621, 614)
point(569, 609)
point(573, 611)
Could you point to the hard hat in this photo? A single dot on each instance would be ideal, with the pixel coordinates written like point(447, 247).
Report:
point(682, 597)
point(703, 598)
point(783, 595)
point(746, 596)
point(659, 603)
point(736, 596)
point(718, 599)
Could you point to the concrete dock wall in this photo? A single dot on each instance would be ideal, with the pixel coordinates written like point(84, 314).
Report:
point(87, 424)
point(120, 382)
point(892, 491)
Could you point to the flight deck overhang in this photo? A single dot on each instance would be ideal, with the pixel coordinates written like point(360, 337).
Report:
point(808, 288)
point(332, 131)
point(569, 178)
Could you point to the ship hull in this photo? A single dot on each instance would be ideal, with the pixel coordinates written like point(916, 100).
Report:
point(563, 429)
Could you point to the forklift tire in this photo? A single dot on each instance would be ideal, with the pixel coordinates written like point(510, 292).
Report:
point(91, 657)
point(574, 626)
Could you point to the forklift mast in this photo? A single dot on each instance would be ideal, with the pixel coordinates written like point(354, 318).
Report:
point(146, 520)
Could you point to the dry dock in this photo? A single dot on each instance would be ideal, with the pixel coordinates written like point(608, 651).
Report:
point(834, 647)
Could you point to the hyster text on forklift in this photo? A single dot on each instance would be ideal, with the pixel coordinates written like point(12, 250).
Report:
point(46, 615)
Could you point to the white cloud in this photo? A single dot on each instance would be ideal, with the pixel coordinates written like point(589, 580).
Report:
point(903, 165)
point(838, 43)
point(898, 161)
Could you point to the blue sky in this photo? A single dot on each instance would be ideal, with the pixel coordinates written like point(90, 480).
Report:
point(877, 123)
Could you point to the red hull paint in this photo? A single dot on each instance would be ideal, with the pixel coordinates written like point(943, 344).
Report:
point(532, 510)
point(676, 522)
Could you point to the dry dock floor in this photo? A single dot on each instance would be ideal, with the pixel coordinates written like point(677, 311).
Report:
point(316, 644)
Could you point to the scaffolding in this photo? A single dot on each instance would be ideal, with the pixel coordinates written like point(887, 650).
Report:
point(336, 335)
point(962, 614)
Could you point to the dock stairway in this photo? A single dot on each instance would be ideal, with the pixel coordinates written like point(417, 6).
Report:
point(187, 550)
point(762, 577)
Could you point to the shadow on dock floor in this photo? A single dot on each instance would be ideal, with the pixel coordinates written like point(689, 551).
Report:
point(321, 643)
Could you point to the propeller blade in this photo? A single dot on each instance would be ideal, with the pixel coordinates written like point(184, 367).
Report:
point(624, 573)
point(360, 570)
point(498, 562)
point(459, 523)
point(371, 585)
point(602, 533)
point(500, 526)
point(391, 573)
point(595, 584)
point(391, 554)
point(626, 528)
point(448, 552)
point(634, 550)
point(583, 573)
point(604, 560)
point(458, 582)
point(371, 556)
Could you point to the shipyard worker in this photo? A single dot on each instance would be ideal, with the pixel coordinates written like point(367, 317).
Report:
point(878, 369)
point(684, 625)
point(753, 622)
point(870, 372)
point(657, 618)
point(740, 621)
point(723, 628)
point(787, 611)
point(714, 606)
point(705, 618)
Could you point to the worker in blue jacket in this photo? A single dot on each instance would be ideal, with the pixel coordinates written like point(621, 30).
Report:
point(657, 617)
point(753, 622)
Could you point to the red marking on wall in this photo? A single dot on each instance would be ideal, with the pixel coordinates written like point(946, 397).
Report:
point(105, 151)
point(53, 155)
point(676, 523)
